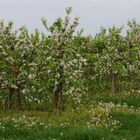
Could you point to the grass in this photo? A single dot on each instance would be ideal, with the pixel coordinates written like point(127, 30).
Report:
point(130, 125)
point(127, 132)
point(76, 130)
point(129, 99)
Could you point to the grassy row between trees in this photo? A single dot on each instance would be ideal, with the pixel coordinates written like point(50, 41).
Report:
point(103, 118)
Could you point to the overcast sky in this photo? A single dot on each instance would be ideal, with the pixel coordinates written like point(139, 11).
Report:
point(93, 13)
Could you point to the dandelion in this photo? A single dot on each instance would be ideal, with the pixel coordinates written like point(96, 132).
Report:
point(61, 134)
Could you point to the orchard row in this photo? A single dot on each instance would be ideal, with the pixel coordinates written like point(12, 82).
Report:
point(65, 65)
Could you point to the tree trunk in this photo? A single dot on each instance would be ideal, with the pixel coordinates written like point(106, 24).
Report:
point(58, 85)
point(57, 98)
point(18, 100)
point(9, 98)
point(114, 84)
point(129, 64)
point(57, 92)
